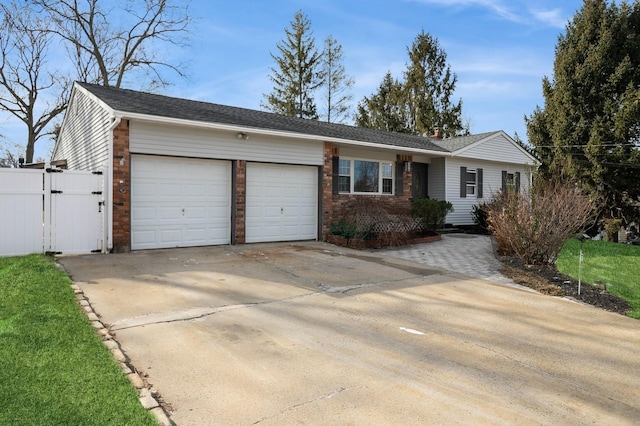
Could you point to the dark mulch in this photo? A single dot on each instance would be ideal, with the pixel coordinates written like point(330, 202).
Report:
point(547, 280)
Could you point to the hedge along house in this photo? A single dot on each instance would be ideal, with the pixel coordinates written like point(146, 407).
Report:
point(186, 173)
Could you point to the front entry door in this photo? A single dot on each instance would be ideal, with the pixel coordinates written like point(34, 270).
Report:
point(419, 184)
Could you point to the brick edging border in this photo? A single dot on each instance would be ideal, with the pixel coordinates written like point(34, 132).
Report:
point(149, 397)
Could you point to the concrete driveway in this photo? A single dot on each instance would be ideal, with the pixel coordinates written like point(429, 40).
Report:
point(314, 334)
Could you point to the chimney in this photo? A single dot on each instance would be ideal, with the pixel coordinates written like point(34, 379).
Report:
point(437, 133)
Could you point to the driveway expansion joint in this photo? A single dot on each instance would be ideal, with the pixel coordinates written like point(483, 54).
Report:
point(300, 404)
point(149, 398)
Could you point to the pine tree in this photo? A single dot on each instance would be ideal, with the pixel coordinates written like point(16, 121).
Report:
point(589, 128)
point(336, 84)
point(421, 103)
point(295, 76)
point(429, 85)
point(385, 109)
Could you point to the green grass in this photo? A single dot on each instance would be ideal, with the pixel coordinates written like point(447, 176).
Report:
point(615, 264)
point(54, 369)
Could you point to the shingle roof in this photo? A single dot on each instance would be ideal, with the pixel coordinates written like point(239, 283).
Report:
point(454, 144)
point(131, 101)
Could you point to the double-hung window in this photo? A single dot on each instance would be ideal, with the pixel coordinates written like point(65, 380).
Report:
point(510, 181)
point(365, 177)
point(344, 178)
point(471, 182)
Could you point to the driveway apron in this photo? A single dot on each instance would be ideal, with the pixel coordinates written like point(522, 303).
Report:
point(310, 333)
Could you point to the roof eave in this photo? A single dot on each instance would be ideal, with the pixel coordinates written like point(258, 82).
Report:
point(269, 132)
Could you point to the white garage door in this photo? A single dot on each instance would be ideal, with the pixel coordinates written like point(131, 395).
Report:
point(282, 203)
point(179, 202)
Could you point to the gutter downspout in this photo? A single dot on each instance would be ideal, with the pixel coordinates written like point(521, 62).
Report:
point(109, 185)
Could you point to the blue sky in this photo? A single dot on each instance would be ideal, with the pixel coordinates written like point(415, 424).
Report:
point(499, 49)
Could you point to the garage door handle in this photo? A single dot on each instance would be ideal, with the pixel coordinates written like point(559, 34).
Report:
point(282, 210)
point(182, 212)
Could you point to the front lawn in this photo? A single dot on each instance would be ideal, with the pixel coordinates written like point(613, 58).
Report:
point(617, 265)
point(54, 369)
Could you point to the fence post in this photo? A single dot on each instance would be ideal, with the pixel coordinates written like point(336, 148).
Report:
point(46, 218)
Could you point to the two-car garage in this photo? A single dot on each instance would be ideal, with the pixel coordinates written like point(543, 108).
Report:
point(182, 202)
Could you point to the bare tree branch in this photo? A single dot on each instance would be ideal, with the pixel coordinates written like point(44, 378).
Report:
point(109, 45)
point(24, 44)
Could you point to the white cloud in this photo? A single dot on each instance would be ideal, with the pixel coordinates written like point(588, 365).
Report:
point(496, 6)
point(552, 17)
point(509, 11)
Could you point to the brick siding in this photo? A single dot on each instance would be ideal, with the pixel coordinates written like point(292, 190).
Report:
point(121, 189)
point(334, 206)
point(240, 204)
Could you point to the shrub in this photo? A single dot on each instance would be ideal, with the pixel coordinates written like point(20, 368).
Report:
point(480, 215)
point(430, 214)
point(535, 224)
point(343, 229)
point(612, 227)
point(377, 222)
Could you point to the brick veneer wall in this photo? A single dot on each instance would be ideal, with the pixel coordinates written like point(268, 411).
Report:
point(121, 189)
point(240, 201)
point(334, 205)
point(327, 188)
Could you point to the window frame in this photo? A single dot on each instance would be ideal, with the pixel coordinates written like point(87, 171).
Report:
point(342, 175)
point(511, 181)
point(386, 176)
point(473, 185)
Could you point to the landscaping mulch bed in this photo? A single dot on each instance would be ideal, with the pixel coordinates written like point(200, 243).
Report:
point(547, 280)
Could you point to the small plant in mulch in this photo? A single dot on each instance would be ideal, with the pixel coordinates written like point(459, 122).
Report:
point(547, 280)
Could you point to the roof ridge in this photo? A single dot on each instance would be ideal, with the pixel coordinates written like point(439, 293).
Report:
point(134, 101)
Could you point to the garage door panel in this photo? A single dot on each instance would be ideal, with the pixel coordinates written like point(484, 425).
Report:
point(281, 203)
point(179, 202)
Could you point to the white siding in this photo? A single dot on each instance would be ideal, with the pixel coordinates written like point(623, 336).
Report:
point(84, 137)
point(492, 182)
point(436, 180)
point(497, 148)
point(368, 154)
point(183, 141)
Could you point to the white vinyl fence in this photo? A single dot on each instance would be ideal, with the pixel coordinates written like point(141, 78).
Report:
point(50, 211)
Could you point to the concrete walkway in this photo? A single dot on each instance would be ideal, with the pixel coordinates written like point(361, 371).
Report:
point(471, 255)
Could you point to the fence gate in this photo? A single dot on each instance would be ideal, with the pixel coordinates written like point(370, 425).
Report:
point(50, 210)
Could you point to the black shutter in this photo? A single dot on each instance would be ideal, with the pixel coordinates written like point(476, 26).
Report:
point(479, 182)
point(335, 174)
point(504, 180)
point(517, 182)
point(400, 178)
point(463, 182)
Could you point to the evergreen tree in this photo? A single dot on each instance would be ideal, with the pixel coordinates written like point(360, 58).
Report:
point(336, 84)
point(429, 85)
point(421, 103)
point(384, 110)
point(589, 128)
point(295, 76)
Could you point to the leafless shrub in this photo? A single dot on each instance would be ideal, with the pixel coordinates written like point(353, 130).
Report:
point(379, 222)
point(534, 225)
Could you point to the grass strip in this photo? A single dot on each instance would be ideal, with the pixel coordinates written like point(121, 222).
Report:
point(615, 265)
point(54, 368)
